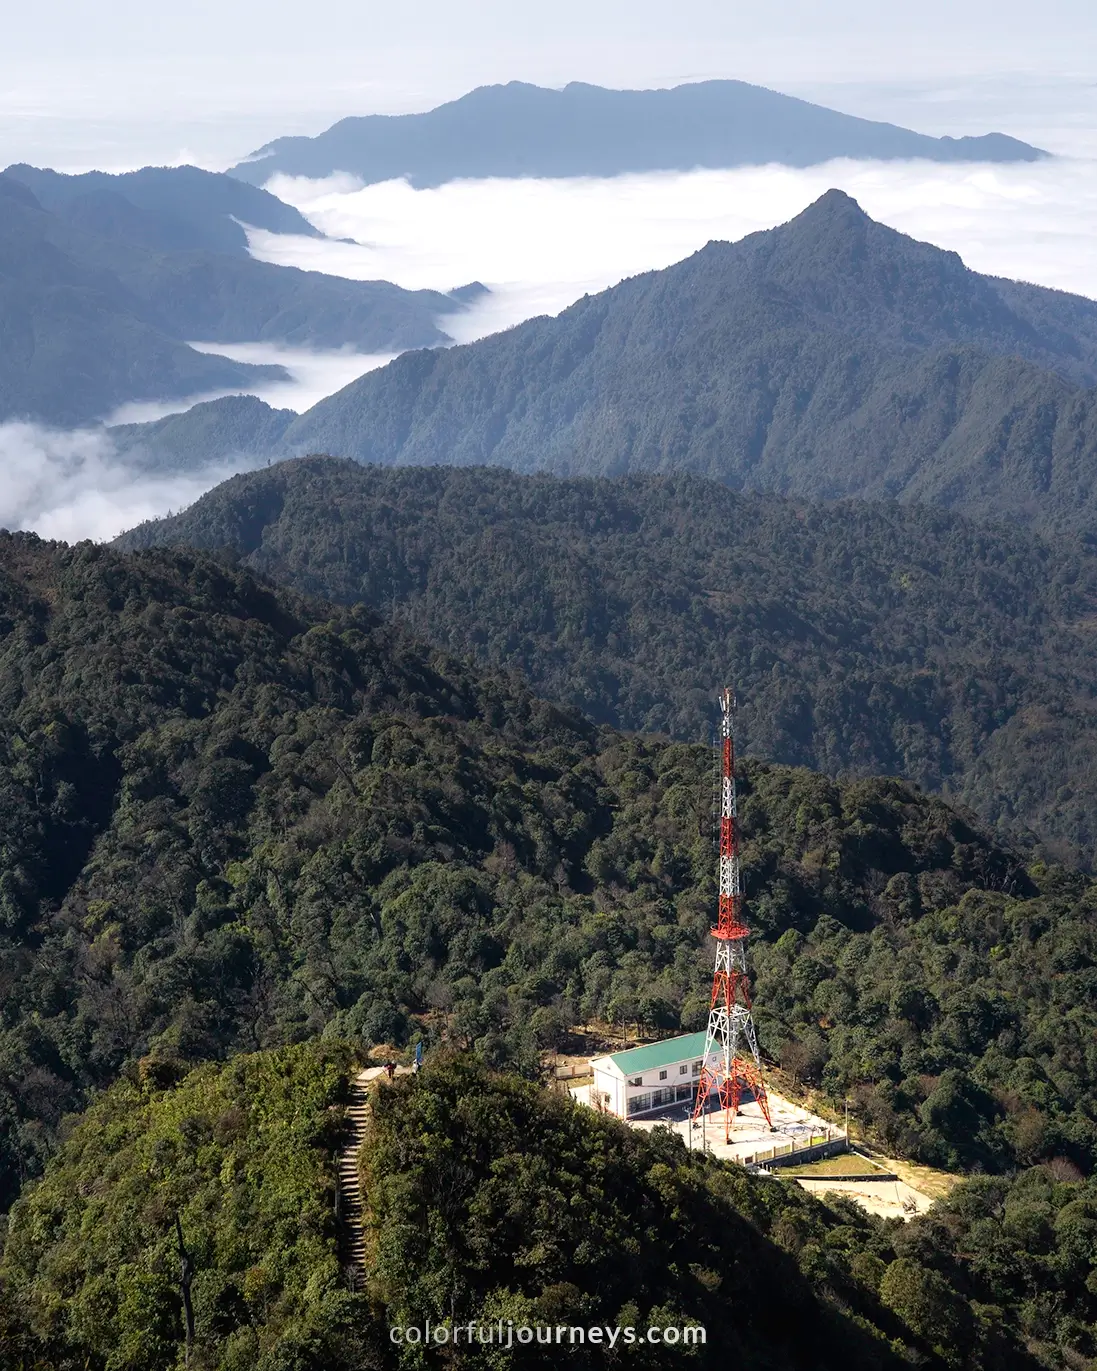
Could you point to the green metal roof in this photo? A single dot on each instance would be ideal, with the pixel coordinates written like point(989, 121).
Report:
point(637, 1060)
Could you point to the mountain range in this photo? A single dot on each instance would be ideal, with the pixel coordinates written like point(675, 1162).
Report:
point(396, 754)
point(523, 130)
point(101, 293)
point(829, 357)
point(168, 209)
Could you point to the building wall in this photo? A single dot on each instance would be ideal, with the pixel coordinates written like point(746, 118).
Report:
point(607, 1092)
point(646, 1091)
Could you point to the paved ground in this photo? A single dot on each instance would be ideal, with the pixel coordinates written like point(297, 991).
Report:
point(750, 1132)
point(792, 1123)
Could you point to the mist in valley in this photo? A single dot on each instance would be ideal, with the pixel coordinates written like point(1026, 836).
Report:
point(312, 374)
point(71, 485)
point(539, 245)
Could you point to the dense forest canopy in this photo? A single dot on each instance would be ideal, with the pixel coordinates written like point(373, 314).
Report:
point(865, 639)
point(233, 818)
point(241, 1156)
point(401, 753)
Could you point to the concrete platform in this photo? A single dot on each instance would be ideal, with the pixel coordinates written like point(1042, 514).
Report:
point(794, 1127)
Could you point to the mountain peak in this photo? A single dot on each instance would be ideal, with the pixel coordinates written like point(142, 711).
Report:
point(833, 204)
point(833, 240)
point(835, 216)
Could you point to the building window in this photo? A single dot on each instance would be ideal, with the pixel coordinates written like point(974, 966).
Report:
point(696, 1068)
point(639, 1103)
point(683, 1069)
point(662, 1075)
point(637, 1080)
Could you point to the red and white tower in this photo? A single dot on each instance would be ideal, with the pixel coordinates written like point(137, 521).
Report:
point(731, 1061)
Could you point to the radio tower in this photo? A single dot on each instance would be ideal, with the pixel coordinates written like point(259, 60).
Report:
point(730, 1024)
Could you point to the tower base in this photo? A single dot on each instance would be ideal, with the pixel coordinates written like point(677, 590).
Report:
point(742, 1075)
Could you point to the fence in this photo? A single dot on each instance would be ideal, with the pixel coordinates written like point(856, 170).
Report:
point(815, 1148)
point(568, 1071)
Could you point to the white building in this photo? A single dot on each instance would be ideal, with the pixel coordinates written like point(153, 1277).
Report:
point(643, 1079)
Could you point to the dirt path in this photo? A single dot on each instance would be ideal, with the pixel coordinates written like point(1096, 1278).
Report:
point(891, 1199)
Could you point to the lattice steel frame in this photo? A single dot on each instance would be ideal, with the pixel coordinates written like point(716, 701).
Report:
point(731, 1062)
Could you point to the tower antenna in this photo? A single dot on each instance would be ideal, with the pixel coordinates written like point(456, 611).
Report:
point(725, 1066)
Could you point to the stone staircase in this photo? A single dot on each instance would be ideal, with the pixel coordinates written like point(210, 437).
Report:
point(352, 1232)
point(352, 1239)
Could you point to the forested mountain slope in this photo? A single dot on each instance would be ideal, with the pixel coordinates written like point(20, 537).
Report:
point(242, 426)
point(583, 130)
point(76, 343)
point(865, 638)
point(491, 1200)
point(232, 818)
point(829, 357)
point(98, 311)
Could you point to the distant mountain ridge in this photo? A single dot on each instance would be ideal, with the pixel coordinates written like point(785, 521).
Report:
point(164, 208)
point(583, 130)
point(75, 341)
point(101, 296)
point(241, 425)
point(828, 358)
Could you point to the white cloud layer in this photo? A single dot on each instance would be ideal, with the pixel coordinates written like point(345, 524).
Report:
point(72, 485)
point(541, 244)
point(313, 373)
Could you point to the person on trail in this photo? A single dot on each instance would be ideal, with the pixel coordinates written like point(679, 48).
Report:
point(390, 1069)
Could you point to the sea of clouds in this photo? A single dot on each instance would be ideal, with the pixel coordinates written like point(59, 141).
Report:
point(539, 245)
point(72, 484)
point(312, 374)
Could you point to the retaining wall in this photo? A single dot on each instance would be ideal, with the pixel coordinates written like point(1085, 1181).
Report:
point(790, 1154)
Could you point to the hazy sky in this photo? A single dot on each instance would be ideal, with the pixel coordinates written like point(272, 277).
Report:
point(122, 81)
point(553, 37)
